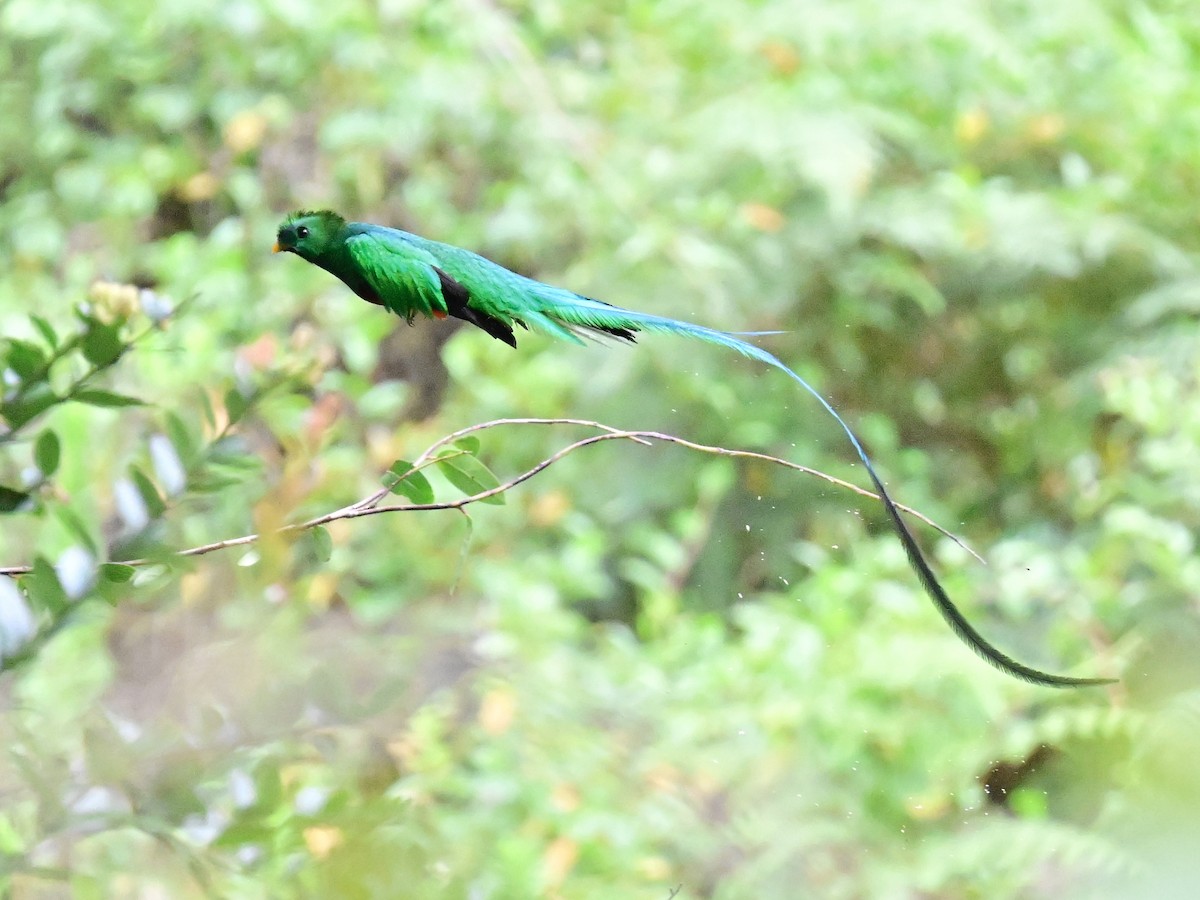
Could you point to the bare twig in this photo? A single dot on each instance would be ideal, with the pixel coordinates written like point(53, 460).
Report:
point(370, 505)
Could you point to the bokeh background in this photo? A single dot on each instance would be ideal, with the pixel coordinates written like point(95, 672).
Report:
point(650, 673)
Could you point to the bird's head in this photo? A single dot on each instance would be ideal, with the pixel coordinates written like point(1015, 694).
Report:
point(308, 234)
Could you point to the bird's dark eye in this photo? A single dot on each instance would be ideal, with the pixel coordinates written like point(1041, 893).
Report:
point(302, 232)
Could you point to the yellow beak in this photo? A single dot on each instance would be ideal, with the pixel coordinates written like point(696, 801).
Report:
point(277, 248)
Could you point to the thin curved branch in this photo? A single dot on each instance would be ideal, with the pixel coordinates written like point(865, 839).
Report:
point(369, 505)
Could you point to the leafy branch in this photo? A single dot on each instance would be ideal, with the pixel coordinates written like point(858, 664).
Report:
point(480, 486)
point(60, 369)
point(31, 370)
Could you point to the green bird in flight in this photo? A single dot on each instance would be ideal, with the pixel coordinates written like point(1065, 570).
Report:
point(408, 274)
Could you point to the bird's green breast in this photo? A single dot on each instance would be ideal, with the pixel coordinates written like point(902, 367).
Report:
point(337, 261)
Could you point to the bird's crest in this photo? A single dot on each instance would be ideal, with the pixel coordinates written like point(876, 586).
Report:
point(326, 215)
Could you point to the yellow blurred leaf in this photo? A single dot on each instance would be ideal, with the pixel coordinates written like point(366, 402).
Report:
point(401, 749)
point(497, 711)
point(762, 217)
point(565, 797)
point(654, 868)
point(201, 186)
point(548, 509)
point(322, 588)
point(929, 807)
point(321, 840)
point(663, 778)
point(971, 125)
point(194, 587)
point(783, 58)
point(1046, 128)
point(303, 336)
point(558, 860)
point(290, 775)
point(245, 131)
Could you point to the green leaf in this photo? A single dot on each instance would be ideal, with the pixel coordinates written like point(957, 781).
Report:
point(236, 404)
point(470, 476)
point(13, 840)
point(268, 786)
point(46, 452)
point(181, 438)
point(210, 481)
point(249, 831)
point(105, 399)
point(102, 344)
point(44, 589)
point(319, 543)
point(70, 519)
point(46, 330)
point(24, 358)
point(207, 408)
point(403, 479)
point(35, 401)
point(116, 572)
point(468, 444)
point(232, 452)
point(150, 495)
point(11, 500)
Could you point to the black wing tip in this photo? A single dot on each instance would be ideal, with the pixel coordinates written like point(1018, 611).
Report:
point(625, 334)
point(498, 329)
point(458, 300)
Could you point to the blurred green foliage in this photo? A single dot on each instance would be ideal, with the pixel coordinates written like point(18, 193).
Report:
point(975, 223)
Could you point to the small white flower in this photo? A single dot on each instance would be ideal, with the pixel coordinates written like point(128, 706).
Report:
point(241, 787)
point(167, 466)
point(131, 507)
point(76, 570)
point(311, 800)
point(156, 306)
point(16, 621)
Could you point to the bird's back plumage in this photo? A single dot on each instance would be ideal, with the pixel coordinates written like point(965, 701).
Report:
point(410, 274)
point(491, 290)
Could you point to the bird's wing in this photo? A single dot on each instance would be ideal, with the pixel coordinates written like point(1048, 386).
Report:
point(406, 277)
